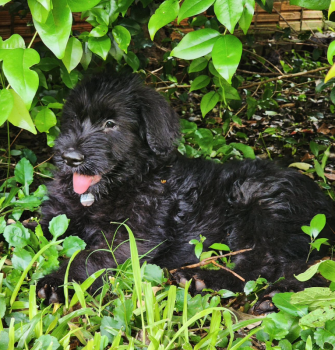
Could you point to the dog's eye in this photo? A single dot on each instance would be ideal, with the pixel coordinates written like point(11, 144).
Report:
point(109, 124)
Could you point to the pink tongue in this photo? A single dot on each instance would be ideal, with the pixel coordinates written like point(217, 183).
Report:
point(81, 183)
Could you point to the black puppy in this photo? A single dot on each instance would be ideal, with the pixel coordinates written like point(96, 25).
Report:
point(116, 161)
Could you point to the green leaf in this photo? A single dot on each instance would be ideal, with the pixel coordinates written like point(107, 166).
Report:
point(99, 31)
point(46, 342)
point(204, 139)
point(15, 41)
point(331, 10)
point(56, 30)
point(198, 64)
point(200, 82)
point(196, 44)
point(21, 258)
point(132, 60)
point(45, 119)
point(318, 317)
point(122, 37)
point(48, 63)
point(308, 274)
point(247, 14)
point(4, 2)
point(282, 301)
point(6, 105)
point(247, 151)
point(100, 46)
point(58, 225)
point(307, 230)
point(154, 274)
point(228, 12)
point(193, 7)
point(208, 102)
point(166, 13)
point(38, 11)
point(198, 249)
point(318, 242)
point(24, 172)
point(86, 57)
point(72, 244)
point(327, 270)
point(73, 54)
point(226, 54)
point(331, 52)
point(81, 6)
point(16, 235)
point(220, 246)
point(319, 169)
point(16, 64)
point(69, 79)
point(317, 224)
point(312, 4)
point(300, 165)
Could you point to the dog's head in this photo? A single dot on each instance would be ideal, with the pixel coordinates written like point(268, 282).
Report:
point(113, 129)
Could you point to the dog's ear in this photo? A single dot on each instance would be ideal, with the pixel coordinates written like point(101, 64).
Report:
point(162, 127)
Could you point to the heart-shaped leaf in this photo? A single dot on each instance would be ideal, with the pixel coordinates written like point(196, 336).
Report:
point(14, 42)
point(193, 7)
point(100, 46)
point(226, 54)
point(45, 119)
point(16, 64)
point(56, 30)
point(19, 116)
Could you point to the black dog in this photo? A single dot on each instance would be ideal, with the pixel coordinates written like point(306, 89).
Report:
point(116, 149)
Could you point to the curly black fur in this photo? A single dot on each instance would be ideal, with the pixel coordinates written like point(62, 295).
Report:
point(170, 199)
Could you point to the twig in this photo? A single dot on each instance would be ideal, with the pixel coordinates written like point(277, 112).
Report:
point(263, 59)
point(284, 76)
point(44, 161)
point(210, 259)
point(172, 87)
point(265, 74)
point(226, 269)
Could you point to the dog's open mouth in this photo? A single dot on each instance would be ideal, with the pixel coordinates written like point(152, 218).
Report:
point(81, 183)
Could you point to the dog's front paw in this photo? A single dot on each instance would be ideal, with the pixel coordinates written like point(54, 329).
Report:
point(50, 289)
point(181, 277)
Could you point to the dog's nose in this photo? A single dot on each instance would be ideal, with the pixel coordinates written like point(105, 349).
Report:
point(72, 157)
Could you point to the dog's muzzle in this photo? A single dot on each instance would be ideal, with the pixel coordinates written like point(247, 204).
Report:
point(72, 158)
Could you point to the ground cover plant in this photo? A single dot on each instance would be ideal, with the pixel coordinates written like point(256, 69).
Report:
point(234, 104)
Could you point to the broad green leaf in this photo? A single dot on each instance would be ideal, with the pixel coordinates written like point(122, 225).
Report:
point(227, 91)
point(193, 7)
point(81, 6)
point(198, 249)
point(247, 151)
point(200, 82)
point(4, 2)
point(319, 169)
point(318, 317)
point(46, 342)
point(122, 37)
point(204, 138)
point(100, 46)
point(312, 4)
point(72, 244)
point(283, 303)
point(226, 54)
point(99, 31)
point(219, 246)
point(73, 54)
point(46, 4)
point(314, 148)
point(300, 165)
point(6, 105)
point(16, 235)
point(45, 119)
point(327, 270)
point(69, 79)
point(19, 116)
point(166, 13)
point(317, 224)
point(38, 11)
point(132, 60)
point(123, 5)
point(318, 242)
point(187, 127)
point(16, 64)
point(308, 274)
point(24, 172)
point(198, 64)
point(228, 12)
point(58, 225)
point(196, 44)
point(208, 102)
point(247, 14)
point(13, 42)
point(331, 52)
point(307, 230)
point(56, 30)
point(21, 258)
point(330, 74)
point(48, 63)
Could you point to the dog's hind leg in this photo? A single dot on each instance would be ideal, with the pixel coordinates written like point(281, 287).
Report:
point(85, 264)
